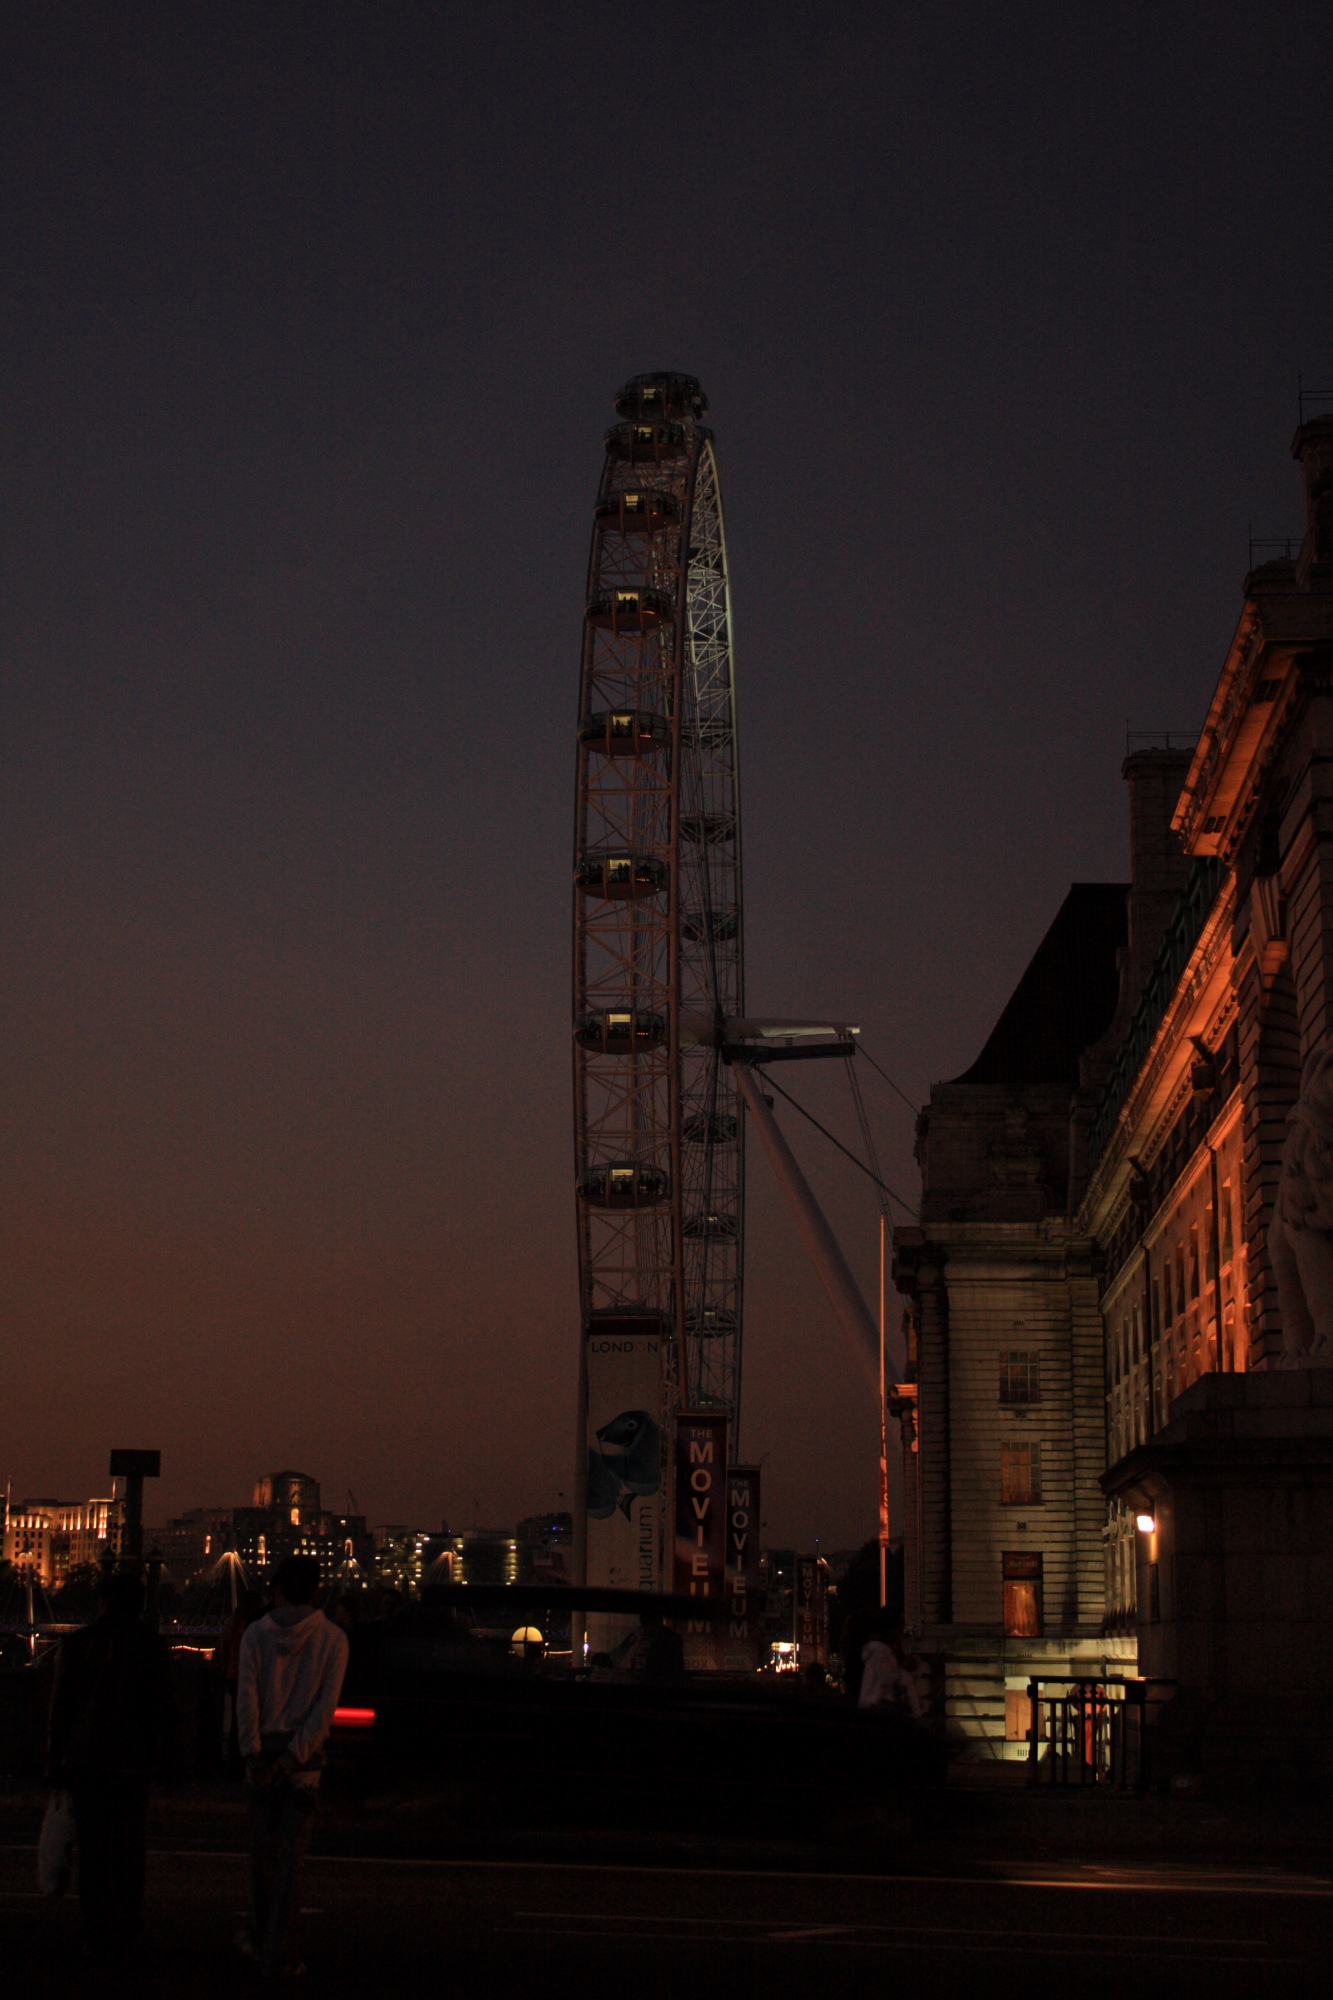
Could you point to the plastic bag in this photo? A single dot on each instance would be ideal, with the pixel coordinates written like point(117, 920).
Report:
point(55, 1845)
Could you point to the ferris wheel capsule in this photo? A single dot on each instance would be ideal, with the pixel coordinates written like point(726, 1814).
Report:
point(626, 732)
point(624, 1184)
point(621, 1031)
point(621, 876)
point(664, 394)
point(642, 510)
point(629, 610)
point(646, 443)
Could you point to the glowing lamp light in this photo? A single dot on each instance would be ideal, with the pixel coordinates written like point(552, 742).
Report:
point(354, 1718)
point(1147, 1525)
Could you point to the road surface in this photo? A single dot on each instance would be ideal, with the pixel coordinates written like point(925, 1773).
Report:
point(377, 1926)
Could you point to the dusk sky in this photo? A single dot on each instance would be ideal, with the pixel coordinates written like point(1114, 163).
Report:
point(314, 317)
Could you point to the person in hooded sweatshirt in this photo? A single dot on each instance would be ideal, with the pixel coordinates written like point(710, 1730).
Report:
point(886, 1685)
point(291, 1674)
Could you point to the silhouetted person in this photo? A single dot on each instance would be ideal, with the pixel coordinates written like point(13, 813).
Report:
point(857, 1628)
point(112, 1723)
point(291, 1673)
point(344, 1613)
point(664, 1649)
point(226, 1663)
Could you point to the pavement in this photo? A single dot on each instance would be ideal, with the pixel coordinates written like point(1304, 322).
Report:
point(984, 1889)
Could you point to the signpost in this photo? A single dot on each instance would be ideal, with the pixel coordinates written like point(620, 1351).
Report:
point(134, 1467)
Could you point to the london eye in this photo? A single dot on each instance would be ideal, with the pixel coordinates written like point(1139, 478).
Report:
point(658, 963)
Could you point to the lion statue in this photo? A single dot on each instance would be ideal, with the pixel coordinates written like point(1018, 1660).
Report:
point(1300, 1235)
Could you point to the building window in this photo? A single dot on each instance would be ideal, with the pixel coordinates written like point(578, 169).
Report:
point(1020, 1475)
point(1020, 1376)
point(1022, 1595)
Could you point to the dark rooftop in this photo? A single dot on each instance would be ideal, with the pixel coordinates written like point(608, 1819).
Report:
point(1065, 1000)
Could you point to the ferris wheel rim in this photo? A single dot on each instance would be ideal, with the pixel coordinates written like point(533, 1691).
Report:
point(626, 617)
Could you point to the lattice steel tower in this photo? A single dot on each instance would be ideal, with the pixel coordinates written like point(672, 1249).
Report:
point(657, 917)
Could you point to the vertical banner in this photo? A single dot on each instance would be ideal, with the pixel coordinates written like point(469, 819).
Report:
point(811, 1612)
point(700, 1567)
point(742, 1631)
point(626, 1464)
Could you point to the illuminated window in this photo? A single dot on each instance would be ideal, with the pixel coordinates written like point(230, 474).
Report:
point(1022, 1594)
point(1020, 1376)
point(1020, 1475)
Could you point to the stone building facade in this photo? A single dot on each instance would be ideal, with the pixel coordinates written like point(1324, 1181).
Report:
point(1100, 1215)
point(1219, 1419)
point(47, 1541)
point(285, 1519)
point(1003, 1540)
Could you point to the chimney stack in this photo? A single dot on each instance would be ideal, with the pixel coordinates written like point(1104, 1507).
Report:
point(1313, 446)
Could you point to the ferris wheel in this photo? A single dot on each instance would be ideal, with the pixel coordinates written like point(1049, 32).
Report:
point(658, 960)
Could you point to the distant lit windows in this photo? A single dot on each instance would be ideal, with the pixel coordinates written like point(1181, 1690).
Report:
point(1020, 1376)
point(1020, 1475)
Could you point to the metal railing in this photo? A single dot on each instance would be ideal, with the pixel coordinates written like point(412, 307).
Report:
point(1092, 1732)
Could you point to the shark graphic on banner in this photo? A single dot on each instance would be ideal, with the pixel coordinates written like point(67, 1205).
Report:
point(626, 1389)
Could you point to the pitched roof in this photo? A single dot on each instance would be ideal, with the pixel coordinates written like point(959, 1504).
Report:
point(1065, 999)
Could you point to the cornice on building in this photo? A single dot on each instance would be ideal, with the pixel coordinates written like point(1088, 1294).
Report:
point(1259, 686)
